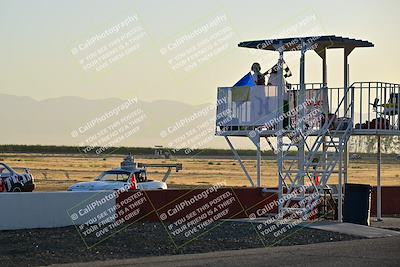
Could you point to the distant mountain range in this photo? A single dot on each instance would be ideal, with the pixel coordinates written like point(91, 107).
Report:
point(53, 121)
point(72, 121)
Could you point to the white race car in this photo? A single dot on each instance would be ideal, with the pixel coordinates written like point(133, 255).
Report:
point(118, 179)
point(128, 176)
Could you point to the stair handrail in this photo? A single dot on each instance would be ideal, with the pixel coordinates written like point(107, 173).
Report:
point(321, 134)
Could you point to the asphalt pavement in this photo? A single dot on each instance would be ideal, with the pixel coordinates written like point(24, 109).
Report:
point(363, 252)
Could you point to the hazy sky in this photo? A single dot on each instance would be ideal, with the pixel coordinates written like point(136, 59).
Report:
point(160, 40)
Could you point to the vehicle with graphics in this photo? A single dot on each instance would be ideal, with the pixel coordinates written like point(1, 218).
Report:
point(12, 181)
point(130, 176)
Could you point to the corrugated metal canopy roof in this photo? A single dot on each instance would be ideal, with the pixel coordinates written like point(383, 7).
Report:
point(294, 44)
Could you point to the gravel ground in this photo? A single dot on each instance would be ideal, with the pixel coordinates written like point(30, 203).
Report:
point(64, 245)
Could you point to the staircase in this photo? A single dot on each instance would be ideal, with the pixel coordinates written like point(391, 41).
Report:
point(301, 191)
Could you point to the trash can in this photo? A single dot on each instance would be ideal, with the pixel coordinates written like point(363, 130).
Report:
point(357, 204)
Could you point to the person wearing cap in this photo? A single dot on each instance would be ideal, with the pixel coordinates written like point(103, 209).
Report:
point(273, 80)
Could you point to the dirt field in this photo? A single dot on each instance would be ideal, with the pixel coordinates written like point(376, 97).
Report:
point(58, 172)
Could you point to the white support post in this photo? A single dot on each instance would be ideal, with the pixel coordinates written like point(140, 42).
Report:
point(346, 148)
point(258, 163)
point(240, 161)
point(347, 52)
point(340, 190)
point(280, 128)
point(255, 138)
point(346, 85)
point(302, 100)
point(345, 78)
point(322, 54)
point(324, 69)
point(346, 162)
point(343, 164)
point(378, 182)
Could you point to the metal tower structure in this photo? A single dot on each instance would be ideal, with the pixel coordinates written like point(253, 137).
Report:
point(312, 150)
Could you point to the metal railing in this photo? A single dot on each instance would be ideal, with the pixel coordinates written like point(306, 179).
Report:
point(376, 107)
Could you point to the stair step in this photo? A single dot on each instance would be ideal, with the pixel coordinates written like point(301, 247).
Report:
point(290, 158)
point(320, 172)
point(271, 191)
point(290, 171)
point(299, 198)
point(334, 145)
point(294, 210)
point(327, 165)
point(292, 188)
point(318, 164)
point(290, 144)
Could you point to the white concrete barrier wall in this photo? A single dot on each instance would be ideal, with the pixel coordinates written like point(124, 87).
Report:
point(47, 209)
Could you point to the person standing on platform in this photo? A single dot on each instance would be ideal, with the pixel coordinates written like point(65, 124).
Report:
point(258, 77)
point(273, 80)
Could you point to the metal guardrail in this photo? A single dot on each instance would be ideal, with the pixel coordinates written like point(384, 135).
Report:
point(376, 106)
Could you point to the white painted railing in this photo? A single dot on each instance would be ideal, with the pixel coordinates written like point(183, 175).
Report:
point(376, 107)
